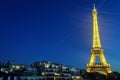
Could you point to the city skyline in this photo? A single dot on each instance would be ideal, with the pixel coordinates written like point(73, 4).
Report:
point(58, 31)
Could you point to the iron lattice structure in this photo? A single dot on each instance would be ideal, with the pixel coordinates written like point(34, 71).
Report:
point(97, 51)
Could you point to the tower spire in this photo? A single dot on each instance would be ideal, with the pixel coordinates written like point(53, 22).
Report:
point(94, 9)
point(96, 37)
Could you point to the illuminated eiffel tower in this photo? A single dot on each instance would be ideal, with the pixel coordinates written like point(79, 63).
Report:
point(97, 52)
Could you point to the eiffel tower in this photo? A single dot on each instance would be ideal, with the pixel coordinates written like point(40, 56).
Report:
point(97, 51)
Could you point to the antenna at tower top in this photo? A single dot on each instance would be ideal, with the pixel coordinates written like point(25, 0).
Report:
point(94, 9)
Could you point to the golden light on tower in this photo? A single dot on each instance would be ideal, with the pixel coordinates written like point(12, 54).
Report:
point(97, 51)
point(96, 37)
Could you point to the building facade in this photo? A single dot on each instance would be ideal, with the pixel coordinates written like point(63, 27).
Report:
point(41, 71)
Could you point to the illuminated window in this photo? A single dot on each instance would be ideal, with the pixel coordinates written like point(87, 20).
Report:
point(47, 65)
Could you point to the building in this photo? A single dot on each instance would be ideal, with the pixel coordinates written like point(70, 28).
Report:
point(41, 71)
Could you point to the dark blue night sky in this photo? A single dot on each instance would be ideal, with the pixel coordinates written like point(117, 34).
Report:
point(59, 31)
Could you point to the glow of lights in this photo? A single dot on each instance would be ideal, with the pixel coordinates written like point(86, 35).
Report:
point(103, 66)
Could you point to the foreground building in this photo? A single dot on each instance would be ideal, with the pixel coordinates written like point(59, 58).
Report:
point(97, 51)
point(40, 71)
